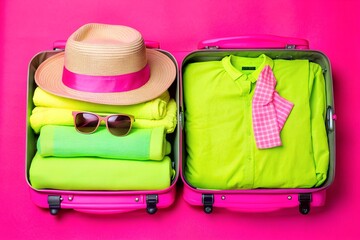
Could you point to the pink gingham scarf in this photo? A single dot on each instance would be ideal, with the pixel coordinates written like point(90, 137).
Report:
point(269, 111)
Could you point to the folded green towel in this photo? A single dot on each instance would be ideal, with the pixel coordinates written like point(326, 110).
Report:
point(99, 174)
point(139, 144)
point(60, 116)
point(153, 109)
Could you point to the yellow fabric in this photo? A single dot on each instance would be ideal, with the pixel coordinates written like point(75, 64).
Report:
point(154, 109)
point(86, 173)
point(220, 144)
point(60, 116)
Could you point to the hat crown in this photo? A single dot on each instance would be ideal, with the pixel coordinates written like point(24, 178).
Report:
point(105, 50)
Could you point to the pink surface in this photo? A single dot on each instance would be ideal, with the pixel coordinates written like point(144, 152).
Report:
point(28, 27)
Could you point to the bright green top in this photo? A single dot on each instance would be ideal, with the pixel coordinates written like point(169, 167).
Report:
point(88, 173)
point(220, 142)
point(139, 144)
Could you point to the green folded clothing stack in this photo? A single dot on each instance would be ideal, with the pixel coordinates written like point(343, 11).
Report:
point(141, 144)
point(69, 160)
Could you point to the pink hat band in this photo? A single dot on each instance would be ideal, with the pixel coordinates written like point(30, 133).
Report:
point(106, 84)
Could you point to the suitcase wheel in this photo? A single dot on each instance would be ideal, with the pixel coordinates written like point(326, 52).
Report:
point(54, 211)
point(208, 209)
point(151, 210)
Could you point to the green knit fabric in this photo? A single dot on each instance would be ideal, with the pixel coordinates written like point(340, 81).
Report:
point(139, 144)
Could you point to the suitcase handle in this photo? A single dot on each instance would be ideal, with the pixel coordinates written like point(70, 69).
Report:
point(254, 42)
point(104, 211)
point(60, 44)
point(152, 44)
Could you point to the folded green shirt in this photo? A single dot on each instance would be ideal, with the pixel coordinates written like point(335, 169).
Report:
point(139, 144)
point(85, 173)
point(220, 144)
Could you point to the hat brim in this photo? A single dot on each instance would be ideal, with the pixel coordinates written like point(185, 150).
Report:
point(162, 74)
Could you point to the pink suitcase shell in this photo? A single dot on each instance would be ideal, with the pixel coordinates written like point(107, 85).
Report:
point(99, 202)
point(260, 200)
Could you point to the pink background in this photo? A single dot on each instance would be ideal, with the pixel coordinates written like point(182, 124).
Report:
point(331, 26)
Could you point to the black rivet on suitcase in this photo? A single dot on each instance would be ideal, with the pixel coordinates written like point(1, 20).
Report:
point(151, 201)
point(304, 199)
point(208, 201)
point(54, 204)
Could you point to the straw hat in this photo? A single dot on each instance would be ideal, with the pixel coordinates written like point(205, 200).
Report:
point(107, 64)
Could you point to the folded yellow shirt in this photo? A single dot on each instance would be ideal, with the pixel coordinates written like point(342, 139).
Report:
point(153, 109)
point(60, 116)
point(86, 173)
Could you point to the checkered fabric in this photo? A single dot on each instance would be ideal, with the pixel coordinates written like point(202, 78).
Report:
point(269, 111)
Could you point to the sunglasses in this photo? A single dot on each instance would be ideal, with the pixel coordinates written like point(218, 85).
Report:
point(117, 124)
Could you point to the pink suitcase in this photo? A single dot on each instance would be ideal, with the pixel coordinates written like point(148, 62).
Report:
point(99, 202)
point(260, 200)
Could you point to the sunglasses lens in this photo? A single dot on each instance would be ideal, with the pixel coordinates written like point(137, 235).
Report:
point(86, 122)
point(119, 125)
